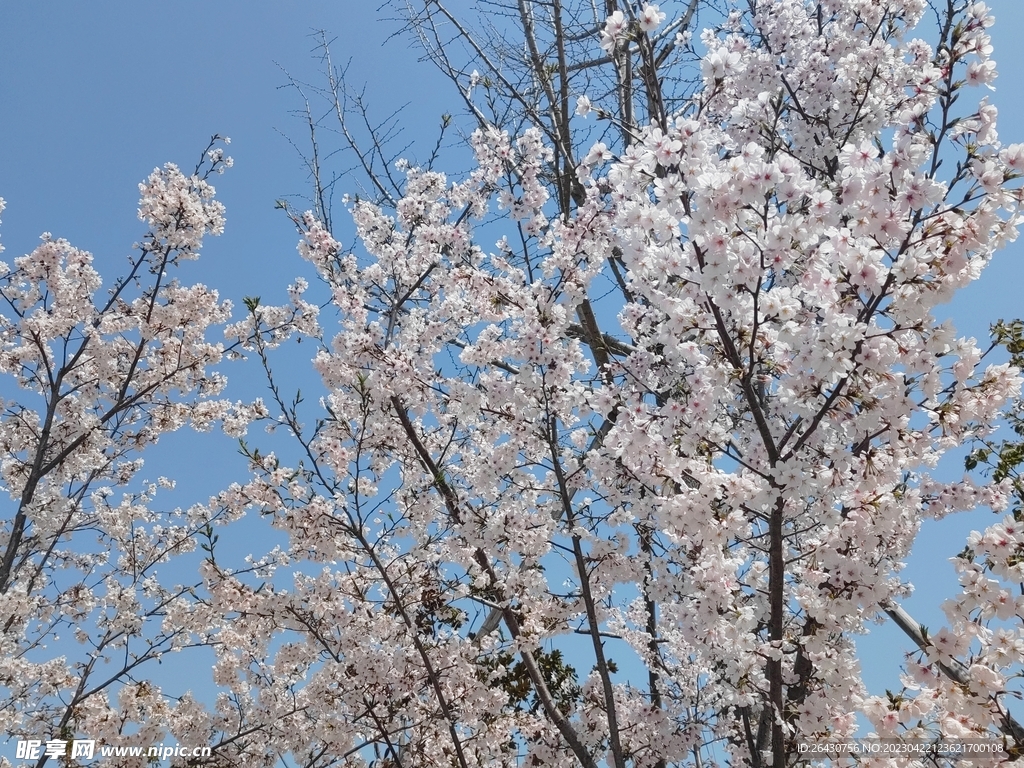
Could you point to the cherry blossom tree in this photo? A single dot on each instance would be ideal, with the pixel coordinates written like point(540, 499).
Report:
point(92, 377)
point(625, 434)
point(682, 417)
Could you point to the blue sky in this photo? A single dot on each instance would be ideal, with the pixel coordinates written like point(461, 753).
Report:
point(95, 95)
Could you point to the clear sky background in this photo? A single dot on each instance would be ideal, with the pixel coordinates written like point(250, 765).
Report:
point(93, 96)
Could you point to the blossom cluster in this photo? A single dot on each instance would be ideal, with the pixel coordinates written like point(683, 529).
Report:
point(93, 378)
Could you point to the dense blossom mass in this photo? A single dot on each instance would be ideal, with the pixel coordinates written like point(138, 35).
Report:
point(683, 417)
